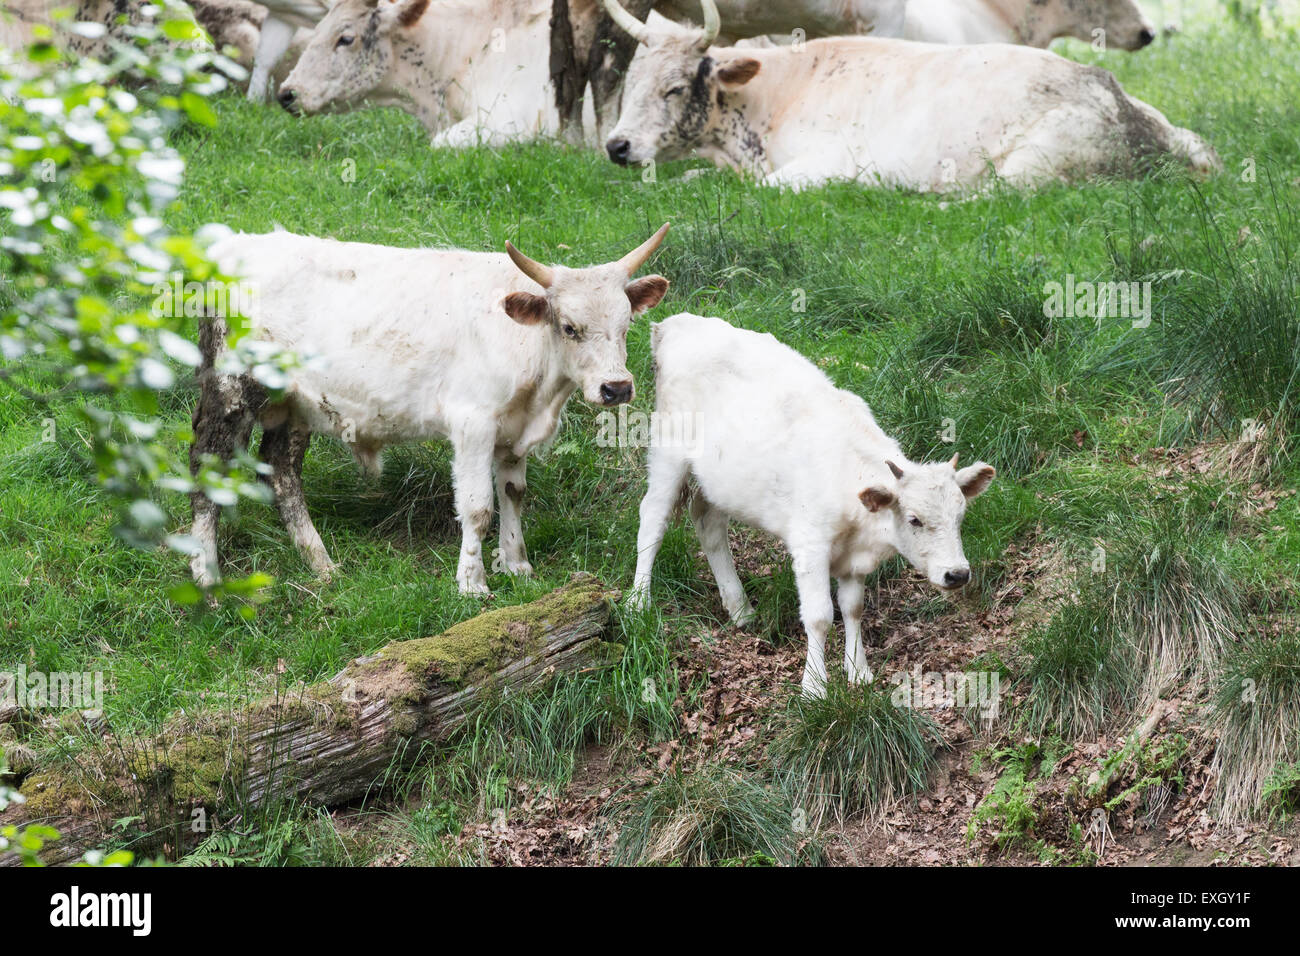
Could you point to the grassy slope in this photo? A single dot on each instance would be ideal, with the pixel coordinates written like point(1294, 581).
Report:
point(928, 308)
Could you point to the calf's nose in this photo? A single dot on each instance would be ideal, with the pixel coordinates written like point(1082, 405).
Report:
point(956, 577)
point(616, 393)
point(618, 150)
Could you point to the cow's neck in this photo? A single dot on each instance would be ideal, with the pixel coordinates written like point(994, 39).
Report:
point(435, 59)
point(743, 118)
point(1025, 22)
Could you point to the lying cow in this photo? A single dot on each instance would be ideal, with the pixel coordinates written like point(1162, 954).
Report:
point(883, 111)
point(411, 344)
point(470, 73)
point(772, 443)
point(1117, 23)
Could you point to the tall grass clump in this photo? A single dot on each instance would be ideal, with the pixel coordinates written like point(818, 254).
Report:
point(853, 750)
point(1155, 606)
point(1228, 349)
point(708, 815)
point(1255, 717)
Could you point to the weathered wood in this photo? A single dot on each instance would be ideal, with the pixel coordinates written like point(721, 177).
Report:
point(611, 52)
point(325, 744)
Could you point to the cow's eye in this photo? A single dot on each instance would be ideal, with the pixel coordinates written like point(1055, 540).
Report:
point(345, 40)
point(675, 91)
point(914, 521)
point(570, 331)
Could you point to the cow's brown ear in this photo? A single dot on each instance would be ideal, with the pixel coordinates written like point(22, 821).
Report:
point(525, 308)
point(738, 73)
point(411, 12)
point(974, 479)
point(646, 292)
point(876, 498)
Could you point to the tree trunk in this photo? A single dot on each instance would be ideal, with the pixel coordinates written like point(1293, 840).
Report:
point(568, 78)
point(325, 744)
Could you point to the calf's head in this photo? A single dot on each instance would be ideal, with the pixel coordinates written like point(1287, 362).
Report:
point(1123, 23)
point(350, 54)
point(671, 93)
point(923, 510)
point(587, 313)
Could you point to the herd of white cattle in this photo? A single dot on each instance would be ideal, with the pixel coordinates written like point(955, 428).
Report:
point(485, 349)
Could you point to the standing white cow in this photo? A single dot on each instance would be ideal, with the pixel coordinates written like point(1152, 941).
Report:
point(768, 440)
point(1117, 23)
point(815, 18)
point(470, 73)
point(283, 19)
point(484, 349)
point(888, 112)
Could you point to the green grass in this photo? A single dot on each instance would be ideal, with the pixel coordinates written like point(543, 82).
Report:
point(928, 307)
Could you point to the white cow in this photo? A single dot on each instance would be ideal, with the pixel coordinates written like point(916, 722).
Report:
point(883, 111)
point(469, 73)
point(816, 18)
point(1117, 23)
point(768, 440)
point(412, 344)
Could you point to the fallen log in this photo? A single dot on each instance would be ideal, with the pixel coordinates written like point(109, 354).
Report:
point(325, 744)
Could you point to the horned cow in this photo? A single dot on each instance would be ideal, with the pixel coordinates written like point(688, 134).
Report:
point(484, 349)
point(883, 111)
point(772, 443)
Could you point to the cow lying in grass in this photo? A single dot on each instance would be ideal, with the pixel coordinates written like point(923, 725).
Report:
point(412, 344)
point(1120, 24)
point(471, 72)
point(772, 443)
point(883, 111)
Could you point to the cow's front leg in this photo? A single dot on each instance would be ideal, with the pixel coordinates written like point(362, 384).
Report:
point(812, 577)
point(284, 448)
point(471, 472)
point(856, 667)
point(512, 482)
point(272, 43)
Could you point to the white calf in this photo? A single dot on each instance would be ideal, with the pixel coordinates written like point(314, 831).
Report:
point(772, 443)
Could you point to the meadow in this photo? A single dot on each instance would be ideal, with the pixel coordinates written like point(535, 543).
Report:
point(1141, 543)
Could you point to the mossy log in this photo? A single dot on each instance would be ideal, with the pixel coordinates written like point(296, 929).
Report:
point(324, 744)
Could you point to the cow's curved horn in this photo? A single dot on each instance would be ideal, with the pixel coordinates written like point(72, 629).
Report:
point(712, 22)
point(954, 461)
point(636, 258)
point(630, 24)
point(542, 275)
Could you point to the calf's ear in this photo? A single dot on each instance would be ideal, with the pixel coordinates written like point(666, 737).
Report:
point(646, 292)
point(876, 498)
point(525, 308)
point(973, 480)
point(737, 73)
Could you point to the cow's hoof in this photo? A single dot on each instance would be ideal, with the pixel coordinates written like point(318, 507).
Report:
point(473, 588)
point(521, 568)
point(744, 617)
point(637, 599)
point(861, 678)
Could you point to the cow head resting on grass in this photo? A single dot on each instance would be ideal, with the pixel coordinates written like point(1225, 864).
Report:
point(1121, 23)
point(351, 56)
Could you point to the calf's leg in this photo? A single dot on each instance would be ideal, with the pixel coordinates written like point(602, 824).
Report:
point(512, 481)
point(855, 656)
point(665, 475)
point(283, 448)
point(812, 577)
point(471, 473)
point(711, 529)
